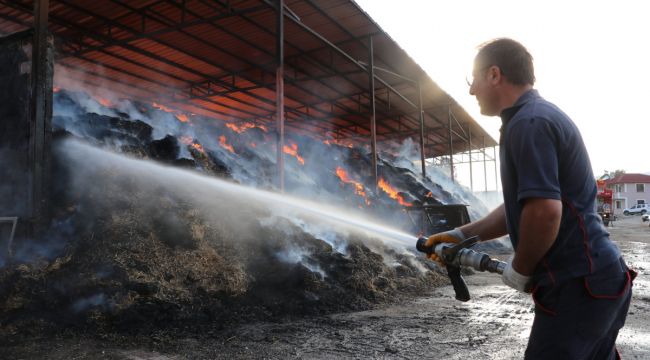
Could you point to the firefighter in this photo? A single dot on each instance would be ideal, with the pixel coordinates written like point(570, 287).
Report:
point(563, 255)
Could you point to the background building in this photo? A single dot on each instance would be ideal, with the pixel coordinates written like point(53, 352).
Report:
point(629, 189)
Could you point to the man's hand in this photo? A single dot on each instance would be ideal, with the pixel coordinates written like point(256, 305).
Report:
point(452, 236)
point(515, 280)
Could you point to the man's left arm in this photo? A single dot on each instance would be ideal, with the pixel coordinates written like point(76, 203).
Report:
point(539, 226)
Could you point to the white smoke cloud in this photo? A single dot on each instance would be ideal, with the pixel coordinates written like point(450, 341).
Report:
point(324, 232)
point(296, 255)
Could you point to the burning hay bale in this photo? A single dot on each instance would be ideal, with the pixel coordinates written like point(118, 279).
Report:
point(139, 245)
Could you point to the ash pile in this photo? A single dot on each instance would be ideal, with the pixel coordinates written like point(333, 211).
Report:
point(162, 219)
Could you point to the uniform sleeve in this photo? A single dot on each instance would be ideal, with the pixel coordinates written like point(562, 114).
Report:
point(534, 149)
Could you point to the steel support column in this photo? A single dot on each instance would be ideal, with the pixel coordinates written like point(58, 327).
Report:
point(451, 147)
point(471, 171)
point(484, 166)
point(373, 125)
point(496, 175)
point(421, 113)
point(40, 128)
point(279, 91)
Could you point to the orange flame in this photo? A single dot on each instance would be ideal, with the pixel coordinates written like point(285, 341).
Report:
point(198, 147)
point(392, 192)
point(338, 142)
point(187, 140)
point(224, 143)
point(162, 107)
point(56, 89)
point(105, 102)
point(242, 127)
point(358, 187)
point(179, 115)
point(292, 149)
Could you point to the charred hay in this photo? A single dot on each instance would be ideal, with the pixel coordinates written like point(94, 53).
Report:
point(141, 258)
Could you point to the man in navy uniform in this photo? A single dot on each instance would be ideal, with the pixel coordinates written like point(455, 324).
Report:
point(563, 254)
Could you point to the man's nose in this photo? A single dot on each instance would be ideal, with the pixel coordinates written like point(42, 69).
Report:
point(471, 89)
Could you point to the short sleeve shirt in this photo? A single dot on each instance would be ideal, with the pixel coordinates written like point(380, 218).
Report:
point(543, 155)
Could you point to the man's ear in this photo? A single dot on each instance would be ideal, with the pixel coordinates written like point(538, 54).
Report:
point(494, 75)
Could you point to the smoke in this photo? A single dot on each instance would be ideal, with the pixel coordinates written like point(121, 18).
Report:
point(245, 215)
point(56, 238)
point(97, 301)
point(212, 194)
point(406, 153)
point(324, 232)
point(75, 97)
point(300, 256)
point(477, 208)
point(246, 152)
point(14, 176)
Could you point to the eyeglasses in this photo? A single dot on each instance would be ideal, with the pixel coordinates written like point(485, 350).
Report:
point(481, 70)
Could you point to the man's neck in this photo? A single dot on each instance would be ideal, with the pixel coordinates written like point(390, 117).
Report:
point(512, 93)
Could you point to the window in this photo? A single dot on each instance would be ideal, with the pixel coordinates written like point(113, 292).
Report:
point(640, 187)
point(618, 204)
point(640, 202)
point(618, 188)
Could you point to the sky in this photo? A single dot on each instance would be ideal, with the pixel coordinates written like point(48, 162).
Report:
point(592, 59)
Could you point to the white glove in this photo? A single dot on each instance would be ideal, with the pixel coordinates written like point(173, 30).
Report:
point(514, 279)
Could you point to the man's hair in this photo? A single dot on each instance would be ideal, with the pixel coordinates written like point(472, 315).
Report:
point(512, 58)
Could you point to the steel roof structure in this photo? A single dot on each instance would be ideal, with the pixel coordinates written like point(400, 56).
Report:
point(326, 63)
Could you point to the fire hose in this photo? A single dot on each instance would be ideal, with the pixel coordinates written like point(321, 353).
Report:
point(454, 256)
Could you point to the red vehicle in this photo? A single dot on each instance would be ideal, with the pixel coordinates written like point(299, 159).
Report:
point(604, 203)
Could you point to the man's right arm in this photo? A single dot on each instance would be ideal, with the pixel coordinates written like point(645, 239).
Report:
point(492, 226)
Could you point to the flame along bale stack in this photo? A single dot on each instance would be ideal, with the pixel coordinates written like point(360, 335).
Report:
point(245, 152)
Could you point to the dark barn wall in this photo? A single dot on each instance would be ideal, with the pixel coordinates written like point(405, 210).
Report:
point(25, 132)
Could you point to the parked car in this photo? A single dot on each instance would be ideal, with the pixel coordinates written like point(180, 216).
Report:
point(645, 217)
point(637, 209)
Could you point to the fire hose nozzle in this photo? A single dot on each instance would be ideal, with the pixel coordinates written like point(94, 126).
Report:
point(456, 255)
point(459, 255)
point(479, 261)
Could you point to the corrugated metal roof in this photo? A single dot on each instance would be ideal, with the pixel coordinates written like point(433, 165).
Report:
point(218, 59)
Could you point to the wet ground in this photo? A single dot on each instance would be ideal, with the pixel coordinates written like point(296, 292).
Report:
point(494, 324)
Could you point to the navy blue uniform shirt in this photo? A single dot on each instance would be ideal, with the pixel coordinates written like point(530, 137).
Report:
point(543, 156)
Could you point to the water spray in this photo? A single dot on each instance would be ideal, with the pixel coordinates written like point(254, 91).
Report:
point(90, 156)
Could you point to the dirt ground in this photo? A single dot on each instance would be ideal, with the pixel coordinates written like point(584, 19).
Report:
point(494, 324)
